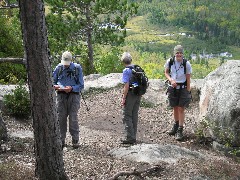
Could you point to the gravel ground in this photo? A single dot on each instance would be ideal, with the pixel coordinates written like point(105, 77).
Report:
point(101, 130)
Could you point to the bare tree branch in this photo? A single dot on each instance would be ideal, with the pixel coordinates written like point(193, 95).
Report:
point(9, 7)
point(13, 60)
point(5, 4)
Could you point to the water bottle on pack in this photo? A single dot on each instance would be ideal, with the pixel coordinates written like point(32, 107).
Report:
point(135, 84)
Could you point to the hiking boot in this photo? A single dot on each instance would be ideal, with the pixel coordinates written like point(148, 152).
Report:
point(75, 144)
point(179, 135)
point(128, 141)
point(174, 129)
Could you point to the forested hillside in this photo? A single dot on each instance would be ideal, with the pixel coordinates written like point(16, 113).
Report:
point(99, 31)
point(217, 20)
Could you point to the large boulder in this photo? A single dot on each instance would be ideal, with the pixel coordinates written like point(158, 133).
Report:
point(196, 85)
point(102, 82)
point(220, 103)
point(155, 153)
point(156, 92)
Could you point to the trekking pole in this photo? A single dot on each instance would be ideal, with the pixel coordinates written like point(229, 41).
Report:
point(85, 102)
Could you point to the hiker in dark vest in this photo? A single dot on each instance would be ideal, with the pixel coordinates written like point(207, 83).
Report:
point(178, 71)
point(130, 103)
point(68, 83)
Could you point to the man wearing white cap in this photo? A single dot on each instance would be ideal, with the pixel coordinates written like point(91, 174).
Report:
point(68, 83)
point(178, 71)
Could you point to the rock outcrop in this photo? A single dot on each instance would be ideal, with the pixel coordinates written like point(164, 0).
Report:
point(155, 153)
point(220, 103)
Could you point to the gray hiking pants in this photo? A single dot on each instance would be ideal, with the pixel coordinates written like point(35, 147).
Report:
point(130, 116)
point(68, 106)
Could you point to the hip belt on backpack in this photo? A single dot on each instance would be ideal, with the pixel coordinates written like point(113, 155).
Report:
point(181, 85)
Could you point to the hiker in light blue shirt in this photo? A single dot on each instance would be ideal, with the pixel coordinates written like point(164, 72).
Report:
point(68, 83)
point(130, 103)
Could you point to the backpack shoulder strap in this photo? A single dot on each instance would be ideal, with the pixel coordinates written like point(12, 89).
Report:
point(76, 69)
point(138, 68)
point(76, 72)
point(133, 66)
point(185, 65)
point(60, 70)
point(171, 63)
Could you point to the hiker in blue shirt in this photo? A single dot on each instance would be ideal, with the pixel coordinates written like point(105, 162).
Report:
point(68, 83)
point(178, 72)
point(130, 103)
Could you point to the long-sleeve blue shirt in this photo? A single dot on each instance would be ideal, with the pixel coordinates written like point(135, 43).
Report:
point(69, 76)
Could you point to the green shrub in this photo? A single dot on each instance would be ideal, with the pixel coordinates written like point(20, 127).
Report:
point(108, 61)
point(12, 73)
point(17, 104)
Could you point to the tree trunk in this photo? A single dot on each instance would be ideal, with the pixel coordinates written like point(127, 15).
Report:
point(90, 66)
point(3, 130)
point(48, 152)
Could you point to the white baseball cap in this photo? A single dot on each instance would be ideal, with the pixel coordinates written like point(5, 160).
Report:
point(66, 58)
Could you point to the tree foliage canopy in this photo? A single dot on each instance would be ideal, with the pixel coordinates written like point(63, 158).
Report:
point(76, 23)
point(11, 37)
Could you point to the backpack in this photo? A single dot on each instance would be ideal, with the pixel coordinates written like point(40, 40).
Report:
point(75, 71)
point(139, 81)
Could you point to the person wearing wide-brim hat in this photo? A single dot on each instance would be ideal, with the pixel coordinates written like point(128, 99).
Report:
point(178, 72)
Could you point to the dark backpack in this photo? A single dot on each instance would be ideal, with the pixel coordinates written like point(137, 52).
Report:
point(139, 81)
point(75, 71)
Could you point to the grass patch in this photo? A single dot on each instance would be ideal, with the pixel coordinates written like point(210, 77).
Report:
point(146, 104)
